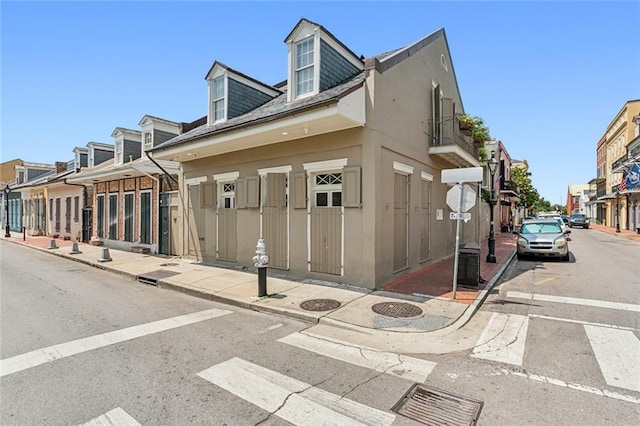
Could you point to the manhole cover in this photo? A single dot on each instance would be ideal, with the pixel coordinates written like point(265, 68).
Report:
point(431, 406)
point(169, 264)
point(396, 310)
point(320, 305)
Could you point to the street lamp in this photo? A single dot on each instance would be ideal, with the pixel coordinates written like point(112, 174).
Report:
point(617, 210)
point(491, 256)
point(7, 231)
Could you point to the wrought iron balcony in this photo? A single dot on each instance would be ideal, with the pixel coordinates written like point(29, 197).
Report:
point(509, 187)
point(448, 142)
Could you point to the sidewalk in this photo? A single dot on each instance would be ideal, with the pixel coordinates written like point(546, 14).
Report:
point(420, 301)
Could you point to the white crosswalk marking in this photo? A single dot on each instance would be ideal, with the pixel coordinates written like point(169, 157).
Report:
point(115, 417)
point(575, 301)
point(290, 399)
point(42, 356)
point(503, 339)
point(618, 354)
point(413, 369)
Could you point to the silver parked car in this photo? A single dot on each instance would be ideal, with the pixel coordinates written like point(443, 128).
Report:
point(543, 237)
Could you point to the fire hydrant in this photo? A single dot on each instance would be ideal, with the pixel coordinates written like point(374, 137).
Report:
point(261, 261)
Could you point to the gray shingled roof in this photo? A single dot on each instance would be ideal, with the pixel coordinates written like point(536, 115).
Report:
point(272, 110)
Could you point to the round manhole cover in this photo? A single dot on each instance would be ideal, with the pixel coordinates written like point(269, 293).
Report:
point(396, 310)
point(169, 264)
point(320, 305)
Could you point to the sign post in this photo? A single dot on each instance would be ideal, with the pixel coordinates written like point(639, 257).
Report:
point(460, 199)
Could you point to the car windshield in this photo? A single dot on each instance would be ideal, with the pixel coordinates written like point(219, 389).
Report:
point(540, 228)
point(577, 216)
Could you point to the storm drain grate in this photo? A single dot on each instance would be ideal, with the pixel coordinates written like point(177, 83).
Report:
point(396, 310)
point(431, 406)
point(320, 305)
point(153, 276)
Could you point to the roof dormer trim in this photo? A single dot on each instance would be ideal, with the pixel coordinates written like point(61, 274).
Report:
point(218, 69)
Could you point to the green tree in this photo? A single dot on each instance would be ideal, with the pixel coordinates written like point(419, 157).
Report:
point(528, 194)
point(543, 205)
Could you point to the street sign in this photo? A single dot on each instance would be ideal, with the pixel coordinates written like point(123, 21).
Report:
point(460, 216)
point(467, 174)
point(468, 198)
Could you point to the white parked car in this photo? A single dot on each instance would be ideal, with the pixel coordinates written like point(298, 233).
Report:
point(543, 237)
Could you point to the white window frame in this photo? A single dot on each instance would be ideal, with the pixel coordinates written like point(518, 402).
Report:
point(119, 156)
point(313, 169)
point(222, 98)
point(147, 142)
point(312, 65)
point(222, 180)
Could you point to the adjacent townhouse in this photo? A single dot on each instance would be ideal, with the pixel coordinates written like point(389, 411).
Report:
point(508, 197)
point(597, 202)
point(129, 198)
point(620, 133)
point(337, 168)
point(629, 168)
point(7, 180)
point(578, 197)
point(20, 195)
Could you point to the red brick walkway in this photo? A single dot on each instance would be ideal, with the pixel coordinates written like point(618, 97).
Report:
point(436, 279)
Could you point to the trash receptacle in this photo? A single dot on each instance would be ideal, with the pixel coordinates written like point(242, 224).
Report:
point(469, 265)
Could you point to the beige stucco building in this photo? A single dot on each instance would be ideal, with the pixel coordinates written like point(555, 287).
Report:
point(337, 168)
point(622, 130)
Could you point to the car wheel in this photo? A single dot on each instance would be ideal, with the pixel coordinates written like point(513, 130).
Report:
point(520, 256)
point(565, 258)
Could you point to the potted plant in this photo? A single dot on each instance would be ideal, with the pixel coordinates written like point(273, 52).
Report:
point(465, 122)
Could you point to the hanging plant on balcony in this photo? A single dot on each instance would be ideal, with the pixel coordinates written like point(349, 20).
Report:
point(465, 122)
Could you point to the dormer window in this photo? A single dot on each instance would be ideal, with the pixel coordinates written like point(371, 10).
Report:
point(304, 67)
point(218, 98)
point(317, 61)
point(147, 142)
point(119, 152)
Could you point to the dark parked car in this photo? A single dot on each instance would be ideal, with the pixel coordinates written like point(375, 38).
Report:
point(579, 220)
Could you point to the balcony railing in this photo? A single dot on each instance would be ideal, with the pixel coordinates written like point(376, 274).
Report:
point(447, 132)
point(509, 185)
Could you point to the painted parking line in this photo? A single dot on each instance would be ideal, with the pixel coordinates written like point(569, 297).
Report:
point(575, 301)
point(617, 352)
point(115, 417)
point(413, 369)
point(503, 339)
point(42, 356)
point(297, 402)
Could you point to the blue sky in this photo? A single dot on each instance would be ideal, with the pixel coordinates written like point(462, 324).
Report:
point(546, 77)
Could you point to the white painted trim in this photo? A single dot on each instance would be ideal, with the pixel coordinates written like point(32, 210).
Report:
point(196, 180)
point(117, 416)
point(575, 301)
point(279, 169)
point(426, 176)
point(226, 176)
point(325, 165)
point(143, 191)
point(402, 168)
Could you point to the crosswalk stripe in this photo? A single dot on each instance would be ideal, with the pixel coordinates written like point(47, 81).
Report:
point(290, 399)
point(115, 417)
point(503, 339)
point(413, 369)
point(575, 301)
point(617, 353)
point(572, 321)
point(42, 356)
